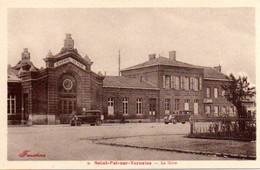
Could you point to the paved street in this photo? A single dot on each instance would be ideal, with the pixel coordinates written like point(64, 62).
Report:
point(63, 142)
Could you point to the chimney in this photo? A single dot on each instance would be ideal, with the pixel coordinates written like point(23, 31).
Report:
point(218, 68)
point(172, 55)
point(152, 56)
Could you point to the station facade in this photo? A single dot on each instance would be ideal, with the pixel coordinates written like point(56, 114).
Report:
point(145, 92)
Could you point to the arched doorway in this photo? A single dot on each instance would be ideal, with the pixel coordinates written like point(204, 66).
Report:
point(67, 97)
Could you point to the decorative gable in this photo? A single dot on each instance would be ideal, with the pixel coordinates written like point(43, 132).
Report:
point(68, 54)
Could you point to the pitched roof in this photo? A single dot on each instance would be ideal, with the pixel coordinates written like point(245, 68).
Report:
point(22, 64)
point(13, 75)
point(161, 61)
point(211, 73)
point(125, 82)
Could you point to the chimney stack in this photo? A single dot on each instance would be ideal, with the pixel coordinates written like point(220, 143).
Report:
point(152, 56)
point(218, 68)
point(172, 55)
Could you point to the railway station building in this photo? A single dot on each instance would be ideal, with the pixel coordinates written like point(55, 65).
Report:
point(146, 92)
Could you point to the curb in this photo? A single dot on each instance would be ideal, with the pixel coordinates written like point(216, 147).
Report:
point(225, 155)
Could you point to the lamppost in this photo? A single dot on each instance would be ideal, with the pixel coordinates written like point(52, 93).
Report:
point(23, 121)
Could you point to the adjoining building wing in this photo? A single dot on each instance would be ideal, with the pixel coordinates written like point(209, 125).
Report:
point(214, 73)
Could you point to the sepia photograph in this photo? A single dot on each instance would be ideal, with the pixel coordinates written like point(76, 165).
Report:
point(131, 86)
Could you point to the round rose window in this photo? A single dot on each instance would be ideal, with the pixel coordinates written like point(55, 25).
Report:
point(67, 84)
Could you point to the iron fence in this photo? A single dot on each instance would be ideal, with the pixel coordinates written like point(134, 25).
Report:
point(223, 128)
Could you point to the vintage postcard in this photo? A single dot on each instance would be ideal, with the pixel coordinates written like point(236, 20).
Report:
point(129, 84)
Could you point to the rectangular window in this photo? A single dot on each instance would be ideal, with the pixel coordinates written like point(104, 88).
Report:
point(208, 92)
point(139, 106)
point(231, 109)
point(207, 109)
point(11, 104)
point(216, 110)
point(177, 83)
point(187, 104)
point(196, 84)
point(224, 109)
point(110, 101)
point(186, 83)
point(167, 106)
point(223, 93)
point(177, 104)
point(125, 105)
point(167, 82)
point(215, 92)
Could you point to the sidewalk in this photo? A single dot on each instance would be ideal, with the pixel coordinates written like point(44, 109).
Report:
point(180, 143)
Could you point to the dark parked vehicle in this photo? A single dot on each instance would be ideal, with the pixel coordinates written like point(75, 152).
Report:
point(179, 116)
point(183, 116)
point(92, 117)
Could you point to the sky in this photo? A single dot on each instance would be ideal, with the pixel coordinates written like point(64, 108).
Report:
point(201, 36)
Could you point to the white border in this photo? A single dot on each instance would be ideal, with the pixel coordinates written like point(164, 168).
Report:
point(4, 5)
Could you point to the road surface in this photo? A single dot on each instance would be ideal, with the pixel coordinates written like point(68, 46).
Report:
point(63, 142)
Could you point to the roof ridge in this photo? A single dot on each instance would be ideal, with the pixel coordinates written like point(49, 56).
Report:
point(161, 60)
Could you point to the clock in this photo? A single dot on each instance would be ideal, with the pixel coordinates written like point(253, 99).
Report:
point(67, 84)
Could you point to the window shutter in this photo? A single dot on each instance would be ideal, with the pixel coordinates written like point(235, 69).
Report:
point(200, 83)
point(163, 81)
point(173, 81)
point(193, 79)
point(182, 82)
point(191, 83)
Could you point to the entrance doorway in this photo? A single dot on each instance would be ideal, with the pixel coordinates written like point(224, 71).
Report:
point(152, 108)
point(196, 107)
point(110, 106)
point(187, 104)
point(67, 98)
point(68, 105)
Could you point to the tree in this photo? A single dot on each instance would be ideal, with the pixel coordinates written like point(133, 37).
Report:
point(237, 91)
